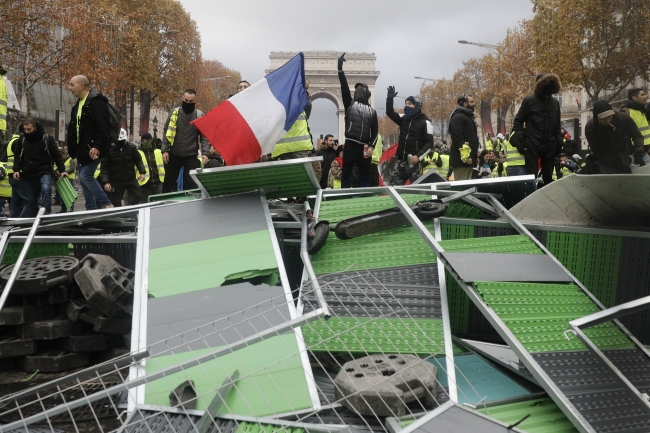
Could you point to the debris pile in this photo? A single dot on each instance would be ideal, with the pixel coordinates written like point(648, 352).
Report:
point(63, 314)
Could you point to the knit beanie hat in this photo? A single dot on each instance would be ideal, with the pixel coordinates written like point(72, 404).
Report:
point(602, 109)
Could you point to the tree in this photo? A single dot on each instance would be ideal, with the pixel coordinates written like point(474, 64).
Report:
point(438, 101)
point(213, 92)
point(599, 45)
point(388, 129)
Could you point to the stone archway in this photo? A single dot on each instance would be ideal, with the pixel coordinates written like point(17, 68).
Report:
point(321, 70)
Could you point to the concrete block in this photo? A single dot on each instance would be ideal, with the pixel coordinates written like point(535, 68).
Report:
point(183, 396)
point(83, 343)
point(46, 330)
point(37, 275)
point(117, 352)
point(382, 385)
point(11, 347)
point(99, 263)
point(54, 295)
point(114, 341)
point(21, 315)
point(118, 282)
point(112, 326)
point(53, 361)
point(93, 290)
point(7, 363)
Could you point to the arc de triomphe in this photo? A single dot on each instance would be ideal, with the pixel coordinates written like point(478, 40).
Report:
point(321, 70)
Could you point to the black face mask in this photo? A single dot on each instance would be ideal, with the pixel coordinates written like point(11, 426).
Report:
point(188, 107)
point(360, 93)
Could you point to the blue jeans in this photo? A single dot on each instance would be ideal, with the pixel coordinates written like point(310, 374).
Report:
point(46, 194)
point(93, 192)
point(18, 197)
point(33, 189)
point(517, 170)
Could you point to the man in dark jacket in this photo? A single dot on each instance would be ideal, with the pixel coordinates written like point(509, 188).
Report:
point(88, 138)
point(361, 129)
point(415, 137)
point(33, 158)
point(635, 106)
point(155, 166)
point(118, 172)
point(327, 150)
point(541, 139)
point(608, 134)
point(181, 143)
point(464, 138)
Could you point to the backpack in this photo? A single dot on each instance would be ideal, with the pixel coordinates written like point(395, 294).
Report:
point(114, 121)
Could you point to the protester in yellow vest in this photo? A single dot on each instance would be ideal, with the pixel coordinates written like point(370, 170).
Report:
point(18, 194)
point(376, 156)
point(5, 188)
point(636, 108)
point(516, 163)
point(154, 176)
point(336, 170)
point(4, 100)
point(70, 168)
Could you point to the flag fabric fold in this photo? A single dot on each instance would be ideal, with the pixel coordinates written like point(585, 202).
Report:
point(248, 125)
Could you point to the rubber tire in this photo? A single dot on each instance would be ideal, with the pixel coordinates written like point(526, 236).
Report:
point(321, 233)
point(430, 210)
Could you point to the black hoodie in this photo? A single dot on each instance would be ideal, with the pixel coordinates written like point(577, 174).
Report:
point(93, 128)
point(414, 134)
point(32, 159)
point(541, 113)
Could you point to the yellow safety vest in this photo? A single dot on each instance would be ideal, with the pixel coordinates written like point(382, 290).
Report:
point(565, 171)
point(379, 150)
point(159, 164)
point(4, 98)
point(488, 145)
point(98, 171)
point(170, 134)
point(5, 186)
point(67, 163)
point(10, 153)
point(642, 122)
point(297, 138)
point(513, 156)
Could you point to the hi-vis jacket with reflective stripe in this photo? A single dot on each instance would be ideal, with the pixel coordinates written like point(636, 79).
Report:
point(513, 156)
point(4, 97)
point(642, 122)
point(5, 187)
point(68, 165)
point(159, 165)
point(298, 138)
point(10, 153)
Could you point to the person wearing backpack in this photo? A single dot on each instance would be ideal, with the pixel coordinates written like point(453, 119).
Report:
point(181, 143)
point(93, 127)
point(34, 155)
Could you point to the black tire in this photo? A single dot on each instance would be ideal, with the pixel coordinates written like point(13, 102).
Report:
point(429, 210)
point(318, 241)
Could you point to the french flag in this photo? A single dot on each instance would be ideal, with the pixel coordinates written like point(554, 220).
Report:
point(248, 125)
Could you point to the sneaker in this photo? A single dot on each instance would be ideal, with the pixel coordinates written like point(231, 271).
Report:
point(108, 206)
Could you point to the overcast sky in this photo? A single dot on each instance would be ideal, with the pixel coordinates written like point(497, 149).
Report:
point(409, 37)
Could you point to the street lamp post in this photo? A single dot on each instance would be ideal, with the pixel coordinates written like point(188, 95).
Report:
point(155, 126)
point(482, 45)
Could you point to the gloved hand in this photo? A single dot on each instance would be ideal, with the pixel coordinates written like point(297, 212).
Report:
point(341, 60)
point(638, 158)
point(391, 92)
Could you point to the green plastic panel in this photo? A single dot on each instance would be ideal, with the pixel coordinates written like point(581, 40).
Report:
point(458, 300)
point(272, 379)
point(517, 244)
point(279, 180)
point(593, 259)
point(337, 210)
point(458, 209)
point(545, 416)
point(422, 337)
point(205, 264)
point(187, 195)
point(35, 250)
point(538, 314)
point(456, 231)
point(401, 246)
point(66, 191)
point(253, 427)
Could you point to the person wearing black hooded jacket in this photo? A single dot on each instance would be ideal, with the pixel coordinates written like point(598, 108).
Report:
point(361, 130)
point(464, 133)
point(34, 156)
point(118, 173)
point(415, 137)
point(541, 138)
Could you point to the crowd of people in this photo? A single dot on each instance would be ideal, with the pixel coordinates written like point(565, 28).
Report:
point(111, 170)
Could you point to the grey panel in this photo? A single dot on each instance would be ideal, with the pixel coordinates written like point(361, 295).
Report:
point(459, 420)
point(430, 176)
point(199, 220)
point(634, 283)
point(512, 190)
point(596, 392)
point(416, 274)
point(193, 314)
point(634, 365)
point(521, 267)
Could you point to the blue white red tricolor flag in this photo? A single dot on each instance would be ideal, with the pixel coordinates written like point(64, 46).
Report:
point(248, 125)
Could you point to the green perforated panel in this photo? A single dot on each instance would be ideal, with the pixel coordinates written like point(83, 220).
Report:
point(593, 259)
point(277, 180)
point(401, 246)
point(35, 250)
point(365, 335)
point(544, 416)
point(458, 209)
point(253, 427)
point(335, 210)
point(538, 315)
point(517, 244)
